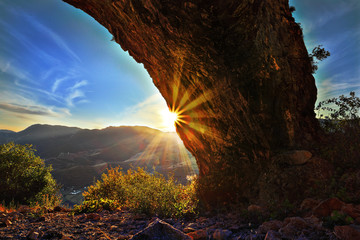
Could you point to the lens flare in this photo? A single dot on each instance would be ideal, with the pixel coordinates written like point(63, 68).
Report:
point(169, 119)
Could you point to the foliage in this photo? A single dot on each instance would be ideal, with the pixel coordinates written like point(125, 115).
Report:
point(97, 205)
point(140, 192)
point(347, 108)
point(24, 178)
point(280, 210)
point(337, 218)
point(320, 54)
point(339, 117)
point(292, 9)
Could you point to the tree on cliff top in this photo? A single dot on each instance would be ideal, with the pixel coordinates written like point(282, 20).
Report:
point(24, 178)
point(320, 54)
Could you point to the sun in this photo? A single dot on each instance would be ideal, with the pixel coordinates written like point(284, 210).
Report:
point(169, 119)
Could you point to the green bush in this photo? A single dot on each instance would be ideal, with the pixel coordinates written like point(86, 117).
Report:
point(24, 178)
point(140, 192)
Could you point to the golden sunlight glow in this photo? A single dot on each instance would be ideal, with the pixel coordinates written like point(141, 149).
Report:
point(169, 119)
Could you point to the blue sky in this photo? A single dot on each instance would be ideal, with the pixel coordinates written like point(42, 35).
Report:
point(59, 66)
point(335, 24)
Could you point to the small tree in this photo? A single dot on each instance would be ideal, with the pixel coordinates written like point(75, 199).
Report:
point(24, 178)
point(320, 54)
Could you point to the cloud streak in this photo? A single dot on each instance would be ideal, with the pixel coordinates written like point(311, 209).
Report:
point(76, 93)
point(57, 84)
point(32, 110)
point(44, 30)
point(335, 86)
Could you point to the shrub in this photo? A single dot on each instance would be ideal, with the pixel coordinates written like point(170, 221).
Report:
point(140, 192)
point(24, 178)
point(96, 205)
point(341, 124)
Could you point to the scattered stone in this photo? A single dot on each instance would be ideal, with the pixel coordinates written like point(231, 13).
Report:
point(192, 225)
point(113, 228)
point(121, 225)
point(198, 235)
point(221, 234)
point(123, 237)
point(326, 207)
point(315, 222)
point(272, 235)
point(160, 230)
point(33, 235)
point(309, 204)
point(350, 210)
point(59, 209)
point(24, 209)
point(8, 222)
point(93, 216)
point(189, 229)
point(346, 233)
point(296, 222)
point(53, 234)
point(274, 225)
point(40, 219)
point(254, 208)
point(293, 227)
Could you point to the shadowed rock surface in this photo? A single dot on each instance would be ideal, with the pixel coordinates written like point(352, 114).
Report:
point(238, 71)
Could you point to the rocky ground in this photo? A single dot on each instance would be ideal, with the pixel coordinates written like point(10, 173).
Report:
point(329, 219)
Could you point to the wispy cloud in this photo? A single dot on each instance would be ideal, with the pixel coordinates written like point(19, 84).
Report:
point(76, 93)
point(54, 36)
point(33, 110)
point(20, 103)
point(23, 41)
point(7, 67)
point(78, 85)
point(72, 96)
point(45, 30)
point(335, 86)
point(56, 84)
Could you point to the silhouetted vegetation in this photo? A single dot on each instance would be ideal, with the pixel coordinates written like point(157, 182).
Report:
point(24, 178)
point(320, 54)
point(340, 121)
point(140, 192)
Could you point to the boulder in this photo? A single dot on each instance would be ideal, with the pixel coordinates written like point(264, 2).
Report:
point(238, 74)
point(160, 230)
point(326, 207)
point(198, 235)
point(273, 225)
point(346, 233)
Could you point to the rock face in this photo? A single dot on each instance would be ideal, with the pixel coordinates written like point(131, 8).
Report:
point(237, 71)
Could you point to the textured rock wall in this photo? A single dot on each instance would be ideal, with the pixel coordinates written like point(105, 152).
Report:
point(237, 70)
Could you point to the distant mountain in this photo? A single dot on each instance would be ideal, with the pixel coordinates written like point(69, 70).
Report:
point(78, 156)
point(6, 131)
